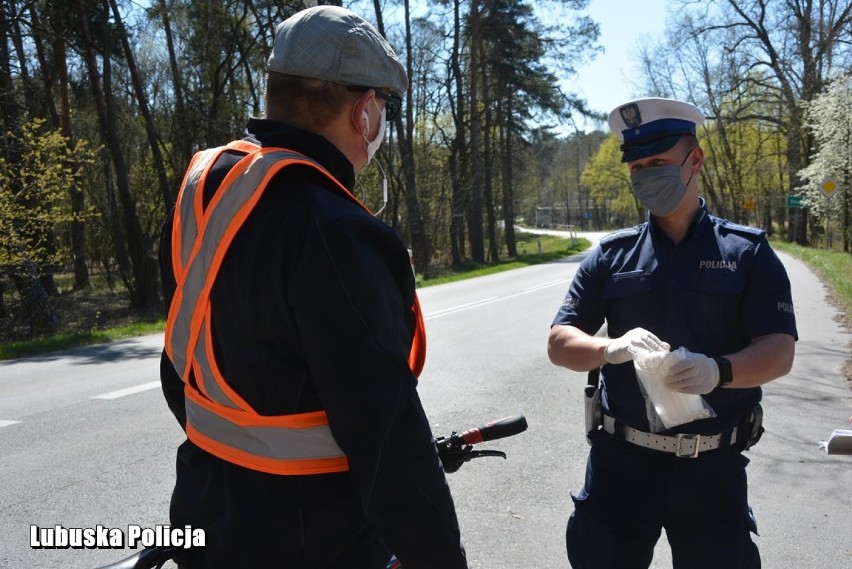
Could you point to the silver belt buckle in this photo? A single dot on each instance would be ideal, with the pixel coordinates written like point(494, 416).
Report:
point(679, 445)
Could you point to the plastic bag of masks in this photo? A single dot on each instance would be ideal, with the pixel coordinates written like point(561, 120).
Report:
point(666, 408)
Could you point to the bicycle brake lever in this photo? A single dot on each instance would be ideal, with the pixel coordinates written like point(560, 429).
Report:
point(453, 458)
point(481, 453)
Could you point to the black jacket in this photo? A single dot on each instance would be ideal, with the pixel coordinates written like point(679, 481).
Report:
point(311, 310)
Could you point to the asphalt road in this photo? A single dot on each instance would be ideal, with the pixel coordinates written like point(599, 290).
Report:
point(86, 438)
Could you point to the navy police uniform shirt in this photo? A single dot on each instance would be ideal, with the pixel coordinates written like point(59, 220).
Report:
point(711, 293)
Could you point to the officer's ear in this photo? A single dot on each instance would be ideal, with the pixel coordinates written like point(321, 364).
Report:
point(697, 159)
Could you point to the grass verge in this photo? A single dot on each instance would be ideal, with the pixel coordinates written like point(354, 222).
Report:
point(833, 267)
point(36, 346)
point(550, 247)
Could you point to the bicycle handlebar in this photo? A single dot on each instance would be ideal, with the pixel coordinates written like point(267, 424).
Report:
point(148, 558)
point(499, 429)
point(457, 448)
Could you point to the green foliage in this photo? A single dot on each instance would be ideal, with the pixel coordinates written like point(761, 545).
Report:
point(745, 168)
point(609, 182)
point(552, 249)
point(34, 194)
point(753, 68)
point(202, 67)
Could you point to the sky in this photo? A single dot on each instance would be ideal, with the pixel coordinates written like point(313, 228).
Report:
point(610, 79)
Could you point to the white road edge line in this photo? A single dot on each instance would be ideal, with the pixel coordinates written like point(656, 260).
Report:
point(7, 423)
point(484, 301)
point(460, 307)
point(545, 285)
point(128, 391)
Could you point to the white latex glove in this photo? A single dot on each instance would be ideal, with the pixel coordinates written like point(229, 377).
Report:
point(695, 373)
point(618, 350)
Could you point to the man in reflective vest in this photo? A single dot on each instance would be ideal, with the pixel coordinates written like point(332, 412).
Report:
point(294, 336)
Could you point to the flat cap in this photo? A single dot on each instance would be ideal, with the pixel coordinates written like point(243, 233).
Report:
point(335, 44)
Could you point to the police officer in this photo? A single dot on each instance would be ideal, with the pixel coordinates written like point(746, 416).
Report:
point(294, 336)
point(684, 278)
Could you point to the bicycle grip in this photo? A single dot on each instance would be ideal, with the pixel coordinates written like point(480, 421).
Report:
point(498, 429)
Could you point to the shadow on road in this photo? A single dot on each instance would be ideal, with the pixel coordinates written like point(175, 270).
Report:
point(101, 353)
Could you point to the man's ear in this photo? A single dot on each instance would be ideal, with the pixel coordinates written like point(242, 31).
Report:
point(359, 113)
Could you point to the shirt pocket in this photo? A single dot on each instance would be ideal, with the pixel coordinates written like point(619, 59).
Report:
point(629, 301)
point(714, 309)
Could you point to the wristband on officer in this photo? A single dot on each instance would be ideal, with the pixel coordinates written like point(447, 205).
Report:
point(726, 375)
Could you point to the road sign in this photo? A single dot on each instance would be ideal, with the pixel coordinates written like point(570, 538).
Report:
point(795, 201)
point(749, 204)
point(828, 187)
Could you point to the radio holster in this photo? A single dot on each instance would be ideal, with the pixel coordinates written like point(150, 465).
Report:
point(592, 403)
point(752, 425)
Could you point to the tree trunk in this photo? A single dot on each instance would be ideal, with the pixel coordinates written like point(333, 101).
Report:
point(35, 301)
point(4, 311)
point(145, 293)
point(474, 209)
point(845, 192)
point(122, 258)
point(38, 310)
point(508, 185)
point(458, 162)
point(488, 171)
point(419, 240)
point(183, 141)
point(44, 236)
point(61, 119)
point(153, 138)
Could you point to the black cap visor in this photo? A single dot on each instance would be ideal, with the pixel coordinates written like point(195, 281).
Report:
point(637, 150)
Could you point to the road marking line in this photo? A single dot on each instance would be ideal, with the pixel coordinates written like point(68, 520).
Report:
point(460, 307)
point(489, 300)
point(545, 285)
point(128, 391)
point(7, 423)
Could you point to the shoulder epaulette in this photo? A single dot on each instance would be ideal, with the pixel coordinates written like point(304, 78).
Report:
point(741, 229)
point(621, 234)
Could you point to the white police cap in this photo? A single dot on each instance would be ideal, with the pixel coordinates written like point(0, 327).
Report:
point(652, 125)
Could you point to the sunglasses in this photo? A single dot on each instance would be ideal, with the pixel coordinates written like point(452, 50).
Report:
point(393, 102)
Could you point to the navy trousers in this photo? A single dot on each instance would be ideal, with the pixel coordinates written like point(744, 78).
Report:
point(631, 493)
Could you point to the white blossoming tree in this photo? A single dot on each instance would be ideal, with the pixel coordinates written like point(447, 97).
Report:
point(830, 117)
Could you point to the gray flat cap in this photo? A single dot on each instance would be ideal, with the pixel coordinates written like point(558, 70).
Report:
point(335, 44)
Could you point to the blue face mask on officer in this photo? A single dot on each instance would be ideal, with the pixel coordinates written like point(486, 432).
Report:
point(659, 188)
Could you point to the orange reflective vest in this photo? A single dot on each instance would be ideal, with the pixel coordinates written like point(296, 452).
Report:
point(217, 418)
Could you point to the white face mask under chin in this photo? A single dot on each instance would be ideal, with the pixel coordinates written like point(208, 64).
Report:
point(372, 146)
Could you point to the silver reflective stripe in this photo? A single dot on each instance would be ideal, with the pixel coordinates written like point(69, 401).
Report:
point(189, 233)
point(268, 442)
point(219, 217)
point(211, 386)
point(189, 225)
